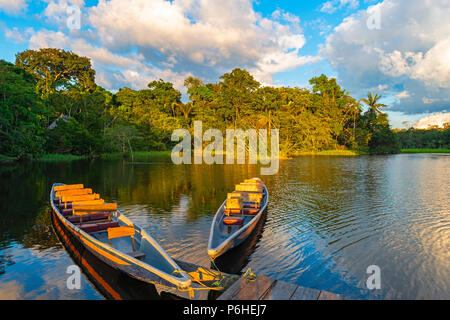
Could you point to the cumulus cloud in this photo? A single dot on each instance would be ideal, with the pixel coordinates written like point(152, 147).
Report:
point(334, 5)
point(48, 39)
point(402, 95)
point(112, 70)
point(57, 12)
point(409, 52)
point(13, 6)
point(205, 37)
point(436, 119)
point(134, 42)
point(18, 35)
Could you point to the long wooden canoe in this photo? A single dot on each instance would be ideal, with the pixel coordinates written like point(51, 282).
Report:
point(113, 238)
point(229, 229)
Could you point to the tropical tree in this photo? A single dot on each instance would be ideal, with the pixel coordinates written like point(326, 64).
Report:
point(236, 92)
point(22, 114)
point(55, 70)
point(372, 102)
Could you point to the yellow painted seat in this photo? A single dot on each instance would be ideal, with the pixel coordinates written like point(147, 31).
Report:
point(119, 232)
point(249, 187)
point(73, 192)
point(68, 187)
point(87, 203)
point(85, 197)
point(105, 207)
point(233, 205)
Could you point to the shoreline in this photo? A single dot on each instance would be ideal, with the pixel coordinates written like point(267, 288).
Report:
point(425, 151)
point(146, 155)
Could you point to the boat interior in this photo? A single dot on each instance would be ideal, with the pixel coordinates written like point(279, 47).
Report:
point(241, 206)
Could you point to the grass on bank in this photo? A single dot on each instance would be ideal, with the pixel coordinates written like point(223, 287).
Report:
point(6, 159)
point(139, 156)
point(425, 151)
point(146, 156)
point(143, 156)
point(328, 153)
point(59, 157)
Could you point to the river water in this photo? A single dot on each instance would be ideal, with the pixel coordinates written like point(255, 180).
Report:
point(328, 220)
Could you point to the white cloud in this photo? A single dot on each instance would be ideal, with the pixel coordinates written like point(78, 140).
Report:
point(112, 70)
point(410, 52)
point(402, 95)
point(18, 35)
point(134, 42)
point(57, 12)
point(436, 119)
point(205, 37)
point(13, 6)
point(334, 5)
point(48, 39)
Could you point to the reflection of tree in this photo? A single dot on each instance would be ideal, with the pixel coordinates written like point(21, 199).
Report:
point(40, 236)
point(5, 261)
point(161, 185)
point(24, 191)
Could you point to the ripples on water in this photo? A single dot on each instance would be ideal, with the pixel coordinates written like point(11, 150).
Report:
point(328, 219)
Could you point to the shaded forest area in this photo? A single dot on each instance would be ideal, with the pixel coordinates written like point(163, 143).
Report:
point(431, 138)
point(50, 104)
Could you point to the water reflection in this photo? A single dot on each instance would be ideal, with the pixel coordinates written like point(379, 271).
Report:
point(329, 218)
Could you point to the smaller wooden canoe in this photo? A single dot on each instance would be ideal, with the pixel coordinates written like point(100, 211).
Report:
point(237, 216)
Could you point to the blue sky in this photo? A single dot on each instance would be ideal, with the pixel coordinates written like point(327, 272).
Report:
point(398, 48)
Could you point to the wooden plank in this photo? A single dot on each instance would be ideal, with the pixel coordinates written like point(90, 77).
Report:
point(247, 290)
point(280, 291)
point(76, 192)
point(97, 207)
point(325, 295)
point(68, 187)
point(303, 293)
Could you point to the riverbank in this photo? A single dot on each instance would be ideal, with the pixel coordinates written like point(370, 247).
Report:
point(328, 153)
point(136, 156)
point(6, 159)
point(425, 151)
point(142, 156)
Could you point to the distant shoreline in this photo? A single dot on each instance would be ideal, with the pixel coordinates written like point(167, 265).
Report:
point(425, 151)
point(146, 155)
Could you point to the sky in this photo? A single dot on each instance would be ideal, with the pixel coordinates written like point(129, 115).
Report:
point(397, 48)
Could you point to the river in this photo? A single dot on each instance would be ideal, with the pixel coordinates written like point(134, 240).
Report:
point(328, 220)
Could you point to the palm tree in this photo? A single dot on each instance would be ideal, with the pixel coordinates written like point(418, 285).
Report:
point(372, 102)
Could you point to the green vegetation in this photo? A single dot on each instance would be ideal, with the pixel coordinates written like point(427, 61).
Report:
point(5, 159)
point(50, 105)
point(430, 139)
point(330, 153)
point(425, 150)
point(139, 156)
point(59, 157)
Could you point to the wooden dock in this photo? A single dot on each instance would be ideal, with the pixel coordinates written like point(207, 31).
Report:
point(264, 288)
point(261, 288)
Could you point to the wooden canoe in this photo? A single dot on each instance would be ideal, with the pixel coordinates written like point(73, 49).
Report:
point(226, 236)
point(120, 243)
